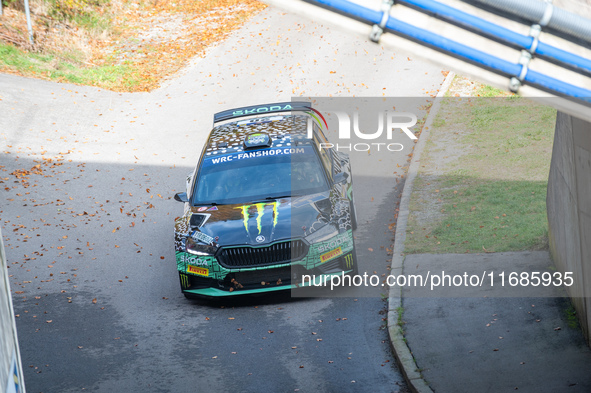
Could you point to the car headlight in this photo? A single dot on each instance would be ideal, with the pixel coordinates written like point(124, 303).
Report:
point(199, 249)
point(325, 233)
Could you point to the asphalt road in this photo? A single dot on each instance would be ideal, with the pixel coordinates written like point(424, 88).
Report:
point(87, 218)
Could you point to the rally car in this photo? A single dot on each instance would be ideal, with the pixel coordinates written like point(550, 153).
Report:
point(267, 203)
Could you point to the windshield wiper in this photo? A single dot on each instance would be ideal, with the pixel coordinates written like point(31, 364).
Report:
point(271, 198)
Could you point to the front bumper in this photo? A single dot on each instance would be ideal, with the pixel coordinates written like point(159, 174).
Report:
point(270, 279)
point(204, 276)
point(212, 292)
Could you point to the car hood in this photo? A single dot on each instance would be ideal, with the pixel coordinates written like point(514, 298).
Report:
point(260, 223)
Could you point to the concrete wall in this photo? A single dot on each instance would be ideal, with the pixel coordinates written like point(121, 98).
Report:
point(569, 210)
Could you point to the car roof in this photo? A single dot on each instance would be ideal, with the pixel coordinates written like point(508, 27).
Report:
point(284, 130)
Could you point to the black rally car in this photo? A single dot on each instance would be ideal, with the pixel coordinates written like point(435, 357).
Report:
point(265, 205)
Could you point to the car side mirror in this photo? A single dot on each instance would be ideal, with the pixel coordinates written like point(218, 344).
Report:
point(341, 177)
point(181, 197)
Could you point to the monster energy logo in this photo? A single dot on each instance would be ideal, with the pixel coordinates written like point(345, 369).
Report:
point(185, 283)
point(260, 211)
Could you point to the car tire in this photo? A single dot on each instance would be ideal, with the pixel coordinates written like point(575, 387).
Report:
point(353, 214)
point(355, 271)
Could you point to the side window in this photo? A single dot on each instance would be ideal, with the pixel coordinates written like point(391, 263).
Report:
point(324, 153)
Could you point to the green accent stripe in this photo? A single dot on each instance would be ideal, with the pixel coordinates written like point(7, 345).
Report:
point(316, 118)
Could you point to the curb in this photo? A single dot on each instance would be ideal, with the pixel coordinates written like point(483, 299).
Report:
point(404, 357)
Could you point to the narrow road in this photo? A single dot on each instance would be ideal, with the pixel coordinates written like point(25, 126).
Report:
point(87, 218)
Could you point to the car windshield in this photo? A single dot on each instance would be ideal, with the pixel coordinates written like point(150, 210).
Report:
point(259, 174)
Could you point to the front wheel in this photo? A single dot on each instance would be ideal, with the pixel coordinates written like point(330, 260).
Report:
point(353, 214)
point(355, 271)
point(352, 258)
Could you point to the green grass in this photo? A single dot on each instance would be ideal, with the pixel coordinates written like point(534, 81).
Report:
point(92, 22)
point(571, 317)
point(11, 56)
point(483, 216)
point(65, 68)
point(482, 182)
point(88, 14)
point(68, 64)
point(489, 91)
point(508, 136)
point(98, 43)
point(400, 311)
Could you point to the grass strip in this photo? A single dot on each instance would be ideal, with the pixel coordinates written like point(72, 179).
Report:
point(481, 185)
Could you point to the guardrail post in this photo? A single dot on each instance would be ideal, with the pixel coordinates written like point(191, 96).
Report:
point(29, 25)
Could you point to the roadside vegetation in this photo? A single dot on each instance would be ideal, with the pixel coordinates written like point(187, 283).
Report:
point(483, 174)
point(121, 45)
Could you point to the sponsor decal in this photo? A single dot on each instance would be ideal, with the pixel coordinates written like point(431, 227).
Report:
point(332, 244)
point(201, 271)
point(255, 154)
point(257, 139)
point(193, 260)
point(349, 261)
point(202, 209)
point(260, 211)
point(14, 385)
point(262, 109)
point(185, 283)
point(331, 255)
point(213, 208)
point(202, 237)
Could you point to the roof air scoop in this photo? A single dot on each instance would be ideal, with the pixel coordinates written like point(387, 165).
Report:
point(258, 140)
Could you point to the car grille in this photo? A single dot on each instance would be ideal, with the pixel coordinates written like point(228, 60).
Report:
point(260, 256)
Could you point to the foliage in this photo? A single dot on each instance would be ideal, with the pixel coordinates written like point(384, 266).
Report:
point(88, 14)
point(121, 45)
